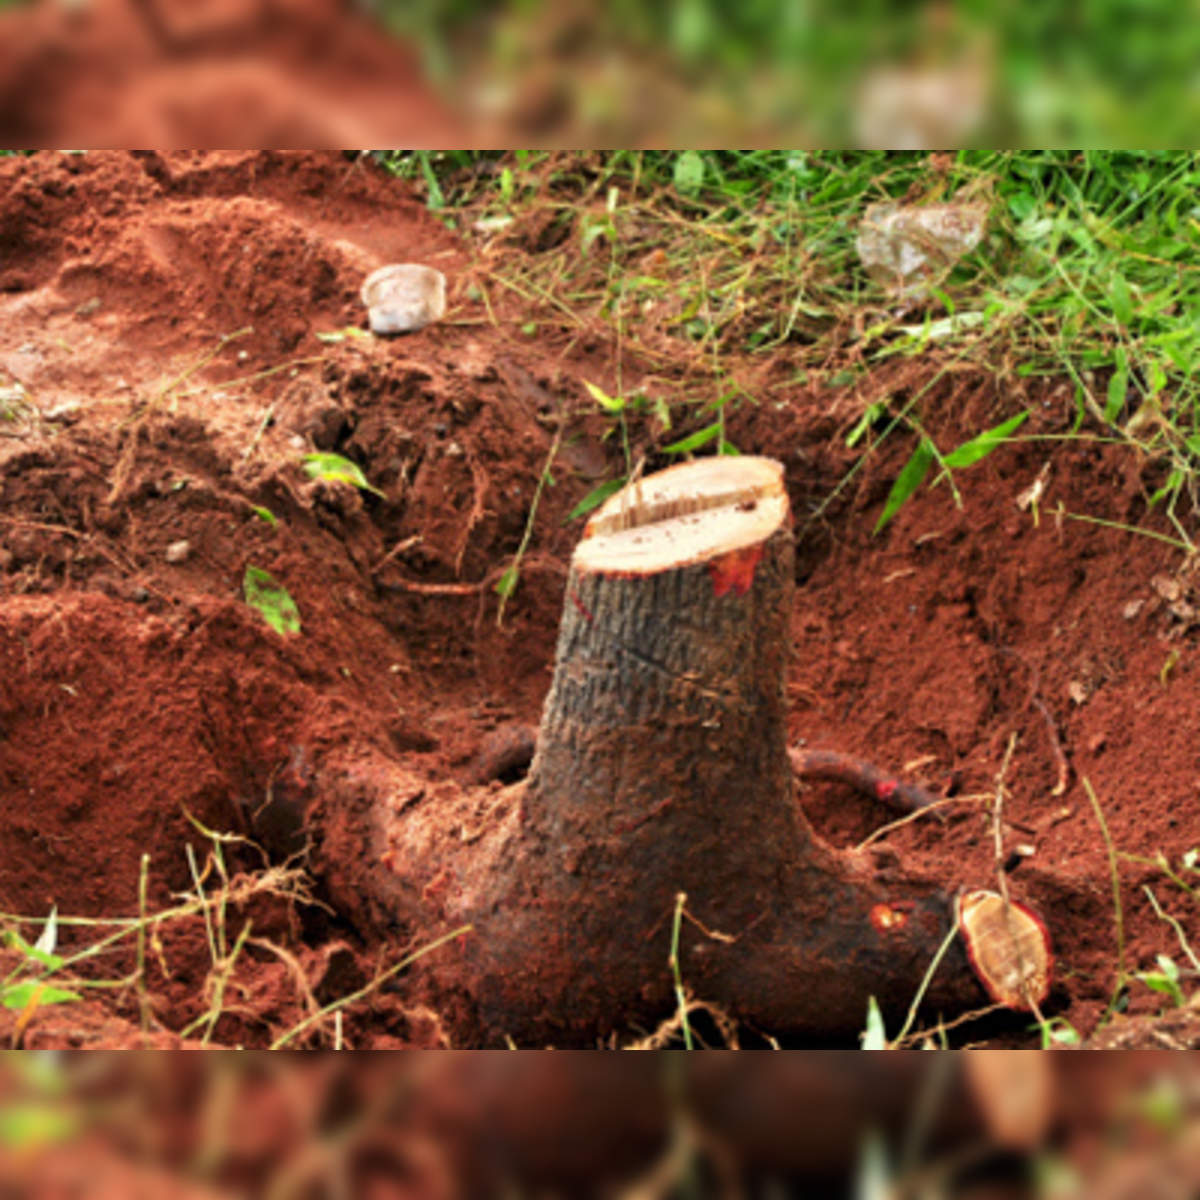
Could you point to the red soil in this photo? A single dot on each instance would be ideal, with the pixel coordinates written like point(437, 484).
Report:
point(135, 691)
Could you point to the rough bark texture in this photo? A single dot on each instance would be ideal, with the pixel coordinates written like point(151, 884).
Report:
point(662, 768)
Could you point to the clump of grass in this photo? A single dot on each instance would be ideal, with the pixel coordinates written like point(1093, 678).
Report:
point(696, 265)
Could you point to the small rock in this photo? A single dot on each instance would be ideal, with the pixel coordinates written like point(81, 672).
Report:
point(66, 411)
point(88, 307)
point(404, 297)
point(1077, 691)
point(1132, 609)
point(178, 552)
point(1096, 743)
point(1166, 587)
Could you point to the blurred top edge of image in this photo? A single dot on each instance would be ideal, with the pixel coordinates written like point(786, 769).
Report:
point(323, 73)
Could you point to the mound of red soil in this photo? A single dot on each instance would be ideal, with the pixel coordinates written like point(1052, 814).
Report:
point(160, 315)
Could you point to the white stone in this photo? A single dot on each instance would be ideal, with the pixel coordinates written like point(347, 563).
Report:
point(404, 297)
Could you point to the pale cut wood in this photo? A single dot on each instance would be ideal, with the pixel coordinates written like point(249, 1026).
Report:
point(686, 514)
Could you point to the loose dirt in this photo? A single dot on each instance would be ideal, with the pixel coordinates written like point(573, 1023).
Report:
point(161, 314)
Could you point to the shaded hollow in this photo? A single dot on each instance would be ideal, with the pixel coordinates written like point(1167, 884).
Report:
point(662, 768)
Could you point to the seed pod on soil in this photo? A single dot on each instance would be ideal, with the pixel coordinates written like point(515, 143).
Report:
point(1008, 947)
point(404, 297)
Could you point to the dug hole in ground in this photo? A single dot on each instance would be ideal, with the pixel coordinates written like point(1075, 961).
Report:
point(166, 382)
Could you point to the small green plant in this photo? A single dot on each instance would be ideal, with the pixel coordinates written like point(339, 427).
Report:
point(1057, 1031)
point(26, 987)
point(622, 406)
point(335, 469)
point(596, 497)
point(1118, 992)
point(265, 593)
point(1165, 980)
point(926, 454)
point(874, 1036)
point(507, 583)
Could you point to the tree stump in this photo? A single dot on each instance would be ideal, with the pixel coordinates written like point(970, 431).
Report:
point(662, 769)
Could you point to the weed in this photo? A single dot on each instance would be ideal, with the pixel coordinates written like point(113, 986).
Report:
point(26, 987)
point(1118, 912)
point(334, 468)
point(507, 583)
point(266, 594)
point(44, 976)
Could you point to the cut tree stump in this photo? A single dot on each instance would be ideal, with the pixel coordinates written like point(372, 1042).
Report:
point(662, 770)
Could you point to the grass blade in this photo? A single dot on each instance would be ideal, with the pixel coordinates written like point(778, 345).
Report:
point(907, 481)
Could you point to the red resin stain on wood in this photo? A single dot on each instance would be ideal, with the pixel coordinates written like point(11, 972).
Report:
point(734, 572)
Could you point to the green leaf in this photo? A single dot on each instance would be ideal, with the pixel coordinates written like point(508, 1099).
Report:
point(694, 440)
point(30, 991)
point(907, 482)
point(1175, 481)
point(507, 583)
point(871, 414)
point(1021, 205)
point(50, 961)
point(337, 469)
point(271, 599)
point(1118, 386)
point(1164, 985)
point(595, 498)
point(1060, 1030)
point(612, 404)
point(689, 172)
point(1167, 966)
point(727, 448)
point(980, 447)
point(874, 1037)
point(1120, 299)
point(436, 198)
point(265, 514)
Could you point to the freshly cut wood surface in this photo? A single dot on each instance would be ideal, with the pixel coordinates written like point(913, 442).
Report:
point(686, 514)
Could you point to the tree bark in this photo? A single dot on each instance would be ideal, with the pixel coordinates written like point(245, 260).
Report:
point(662, 769)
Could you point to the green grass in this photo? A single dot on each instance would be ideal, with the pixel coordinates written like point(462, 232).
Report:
point(699, 262)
